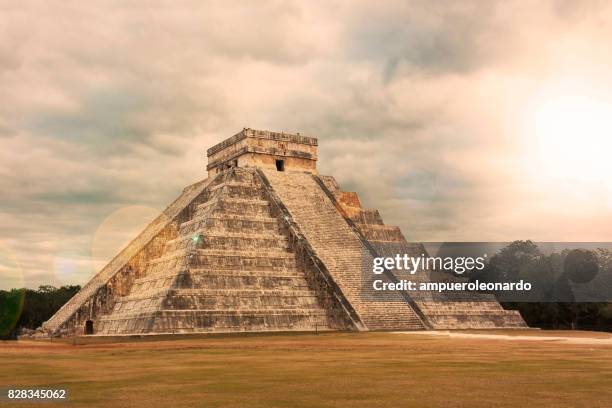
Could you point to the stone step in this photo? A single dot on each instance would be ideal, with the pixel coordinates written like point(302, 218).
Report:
point(222, 259)
point(234, 206)
point(170, 259)
point(177, 312)
point(239, 299)
point(467, 312)
point(234, 241)
point(208, 292)
point(460, 307)
point(244, 243)
point(231, 259)
point(241, 175)
point(229, 253)
point(265, 279)
point(159, 281)
point(216, 301)
point(242, 292)
point(230, 281)
point(386, 233)
point(233, 189)
point(159, 276)
point(257, 273)
point(367, 216)
point(231, 223)
point(474, 321)
point(206, 320)
point(169, 277)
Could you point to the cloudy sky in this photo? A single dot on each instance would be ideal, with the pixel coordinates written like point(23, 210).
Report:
point(458, 120)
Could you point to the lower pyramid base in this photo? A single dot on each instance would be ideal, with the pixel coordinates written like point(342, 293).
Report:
point(206, 321)
point(471, 315)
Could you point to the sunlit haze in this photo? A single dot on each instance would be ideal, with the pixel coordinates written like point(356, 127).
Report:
point(462, 121)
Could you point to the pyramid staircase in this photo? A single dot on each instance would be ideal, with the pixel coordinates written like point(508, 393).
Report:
point(347, 259)
point(457, 310)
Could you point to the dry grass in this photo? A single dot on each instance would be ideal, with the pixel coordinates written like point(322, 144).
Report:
point(306, 370)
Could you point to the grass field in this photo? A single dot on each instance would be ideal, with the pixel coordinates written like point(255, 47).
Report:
point(307, 370)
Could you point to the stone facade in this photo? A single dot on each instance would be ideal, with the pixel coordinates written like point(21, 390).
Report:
point(264, 149)
point(263, 244)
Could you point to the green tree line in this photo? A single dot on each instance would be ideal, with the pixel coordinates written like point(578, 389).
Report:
point(553, 302)
point(29, 308)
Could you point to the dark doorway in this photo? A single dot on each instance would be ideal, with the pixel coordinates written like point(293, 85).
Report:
point(89, 327)
point(280, 165)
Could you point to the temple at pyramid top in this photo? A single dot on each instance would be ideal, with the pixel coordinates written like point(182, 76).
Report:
point(263, 148)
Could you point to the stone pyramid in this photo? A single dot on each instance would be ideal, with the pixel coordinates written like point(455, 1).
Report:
point(263, 244)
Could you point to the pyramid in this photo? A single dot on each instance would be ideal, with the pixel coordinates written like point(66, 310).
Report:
point(264, 243)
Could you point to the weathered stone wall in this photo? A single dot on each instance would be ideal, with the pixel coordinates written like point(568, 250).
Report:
point(260, 148)
point(98, 296)
point(232, 267)
point(269, 161)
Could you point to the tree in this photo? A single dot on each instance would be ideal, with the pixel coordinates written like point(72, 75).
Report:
point(27, 308)
point(552, 302)
point(11, 306)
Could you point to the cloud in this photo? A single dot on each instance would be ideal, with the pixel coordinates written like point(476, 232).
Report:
point(430, 38)
point(417, 106)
